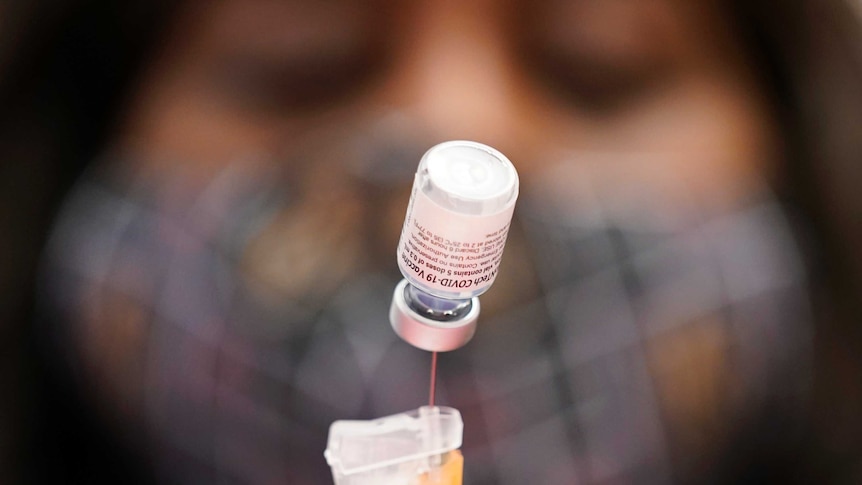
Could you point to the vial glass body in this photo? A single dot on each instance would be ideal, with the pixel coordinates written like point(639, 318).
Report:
point(457, 220)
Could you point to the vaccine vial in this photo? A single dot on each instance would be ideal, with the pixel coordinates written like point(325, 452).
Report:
point(452, 242)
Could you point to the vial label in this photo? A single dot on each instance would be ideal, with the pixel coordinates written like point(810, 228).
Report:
point(449, 254)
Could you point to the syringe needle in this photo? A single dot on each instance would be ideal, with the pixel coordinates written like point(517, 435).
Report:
point(433, 387)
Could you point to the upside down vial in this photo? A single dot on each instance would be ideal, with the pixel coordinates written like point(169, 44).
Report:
point(452, 242)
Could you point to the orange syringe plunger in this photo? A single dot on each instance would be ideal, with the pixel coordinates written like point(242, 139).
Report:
point(449, 472)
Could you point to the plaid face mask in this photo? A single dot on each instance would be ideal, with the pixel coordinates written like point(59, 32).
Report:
point(235, 318)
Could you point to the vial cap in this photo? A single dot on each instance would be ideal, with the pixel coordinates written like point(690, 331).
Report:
point(428, 334)
point(469, 177)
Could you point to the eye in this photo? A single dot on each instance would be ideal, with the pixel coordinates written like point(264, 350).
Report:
point(597, 55)
point(290, 57)
point(591, 84)
point(297, 84)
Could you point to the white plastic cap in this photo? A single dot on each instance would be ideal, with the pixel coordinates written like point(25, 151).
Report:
point(428, 334)
point(392, 450)
point(469, 178)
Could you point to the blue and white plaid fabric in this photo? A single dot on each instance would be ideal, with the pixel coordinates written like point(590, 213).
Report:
point(640, 350)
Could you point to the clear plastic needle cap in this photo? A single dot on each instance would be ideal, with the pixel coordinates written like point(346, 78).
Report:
point(402, 449)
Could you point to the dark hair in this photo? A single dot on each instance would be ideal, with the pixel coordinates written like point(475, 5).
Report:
point(809, 53)
point(63, 71)
point(813, 55)
point(810, 56)
point(64, 68)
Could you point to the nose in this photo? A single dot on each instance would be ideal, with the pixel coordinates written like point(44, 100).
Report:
point(454, 72)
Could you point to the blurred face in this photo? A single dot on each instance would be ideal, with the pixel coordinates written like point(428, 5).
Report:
point(272, 145)
point(535, 79)
point(649, 97)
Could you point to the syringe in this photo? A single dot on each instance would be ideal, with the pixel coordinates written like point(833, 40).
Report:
point(450, 249)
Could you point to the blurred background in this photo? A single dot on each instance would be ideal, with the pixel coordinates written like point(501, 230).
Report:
point(201, 201)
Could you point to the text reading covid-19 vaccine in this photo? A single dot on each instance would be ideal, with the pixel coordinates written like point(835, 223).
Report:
point(452, 242)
